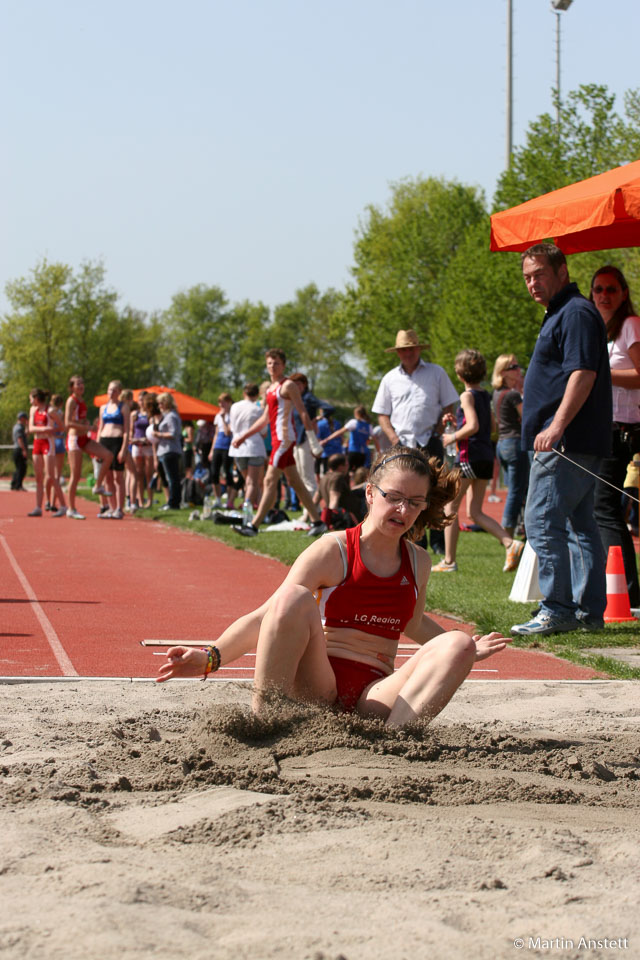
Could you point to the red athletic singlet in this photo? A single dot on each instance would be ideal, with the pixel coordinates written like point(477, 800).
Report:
point(76, 441)
point(381, 606)
point(40, 443)
point(283, 432)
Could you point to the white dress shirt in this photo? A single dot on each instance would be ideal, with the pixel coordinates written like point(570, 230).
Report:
point(415, 401)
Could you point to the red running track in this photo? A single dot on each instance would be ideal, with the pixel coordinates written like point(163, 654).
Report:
point(79, 597)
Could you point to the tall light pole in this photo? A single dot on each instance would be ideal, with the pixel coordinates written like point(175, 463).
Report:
point(509, 82)
point(557, 6)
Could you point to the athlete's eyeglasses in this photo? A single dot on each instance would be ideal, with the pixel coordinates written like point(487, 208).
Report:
point(609, 289)
point(396, 500)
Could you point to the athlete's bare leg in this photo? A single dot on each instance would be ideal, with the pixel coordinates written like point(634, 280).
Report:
point(291, 656)
point(423, 685)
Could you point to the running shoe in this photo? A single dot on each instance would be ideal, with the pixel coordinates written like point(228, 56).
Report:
point(317, 528)
point(48, 507)
point(543, 624)
point(102, 492)
point(36, 512)
point(117, 515)
point(246, 530)
point(492, 498)
point(105, 515)
point(590, 624)
point(60, 512)
point(75, 515)
point(444, 567)
point(514, 552)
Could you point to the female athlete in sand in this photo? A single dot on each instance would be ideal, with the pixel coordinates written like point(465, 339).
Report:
point(330, 633)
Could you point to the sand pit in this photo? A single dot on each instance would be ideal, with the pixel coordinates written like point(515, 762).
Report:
point(146, 821)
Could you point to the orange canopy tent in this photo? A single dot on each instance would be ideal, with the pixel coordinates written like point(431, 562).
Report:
point(188, 407)
point(600, 213)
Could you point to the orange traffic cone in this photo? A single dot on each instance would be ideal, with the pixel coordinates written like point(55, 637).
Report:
point(618, 606)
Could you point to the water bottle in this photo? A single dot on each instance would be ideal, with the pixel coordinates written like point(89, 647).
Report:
point(449, 444)
point(247, 513)
point(207, 508)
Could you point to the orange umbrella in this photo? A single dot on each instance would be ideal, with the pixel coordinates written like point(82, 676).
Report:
point(600, 213)
point(189, 408)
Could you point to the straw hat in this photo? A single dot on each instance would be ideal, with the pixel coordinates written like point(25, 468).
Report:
point(406, 338)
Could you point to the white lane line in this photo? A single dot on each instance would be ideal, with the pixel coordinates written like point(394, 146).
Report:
point(67, 668)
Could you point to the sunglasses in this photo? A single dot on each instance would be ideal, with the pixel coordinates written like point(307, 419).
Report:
point(513, 366)
point(609, 289)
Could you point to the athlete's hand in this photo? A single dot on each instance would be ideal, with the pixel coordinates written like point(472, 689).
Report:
point(182, 662)
point(489, 644)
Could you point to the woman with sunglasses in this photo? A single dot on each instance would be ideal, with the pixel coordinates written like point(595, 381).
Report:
point(610, 294)
point(330, 633)
point(507, 407)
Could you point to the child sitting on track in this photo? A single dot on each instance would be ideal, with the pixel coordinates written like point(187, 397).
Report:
point(330, 632)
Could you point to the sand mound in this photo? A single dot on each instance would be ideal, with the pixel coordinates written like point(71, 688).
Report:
point(169, 822)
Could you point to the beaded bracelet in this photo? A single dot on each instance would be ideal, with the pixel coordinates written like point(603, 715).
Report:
point(213, 660)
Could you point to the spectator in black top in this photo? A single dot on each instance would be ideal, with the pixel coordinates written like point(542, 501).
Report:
point(20, 450)
point(507, 407)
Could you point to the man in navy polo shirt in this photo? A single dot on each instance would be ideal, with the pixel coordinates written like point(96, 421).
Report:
point(567, 407)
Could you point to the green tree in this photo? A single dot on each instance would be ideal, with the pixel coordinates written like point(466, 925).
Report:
point(35, 337)
point(590, 139)
point(485, 305)
point(247, 342)
point(63, 322)
point(197, 325)
point(401, 259)
point(306, 330)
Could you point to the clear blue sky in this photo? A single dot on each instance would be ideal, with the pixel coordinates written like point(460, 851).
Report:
point(238, 142)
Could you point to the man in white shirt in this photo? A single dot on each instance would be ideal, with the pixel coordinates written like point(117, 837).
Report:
point(411, 401)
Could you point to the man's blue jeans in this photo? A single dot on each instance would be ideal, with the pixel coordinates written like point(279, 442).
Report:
point(562, 530)
point(515, 464)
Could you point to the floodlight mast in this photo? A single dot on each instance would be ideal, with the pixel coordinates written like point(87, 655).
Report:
point(557, 6)
point(509, 82)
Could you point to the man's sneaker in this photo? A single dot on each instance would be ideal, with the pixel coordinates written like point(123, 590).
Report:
point(117, 515)
point(543, 624)
point(444, 567)
point(591, 624)
point(102, 492)
point(246, 530)
point(105, 514)
point(36, 512)
point(492, 498)
point(60, 512)
point(317, 528)
point(514, 552)
point(48, 507)
point(74, 514)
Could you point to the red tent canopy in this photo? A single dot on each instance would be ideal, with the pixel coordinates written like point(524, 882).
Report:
point(600, 213)
point(189, 408)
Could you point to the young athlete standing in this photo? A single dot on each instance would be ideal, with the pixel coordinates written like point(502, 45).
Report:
point(281, 397)
point(42, 427)
point(330, 633)
point(79, 441)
